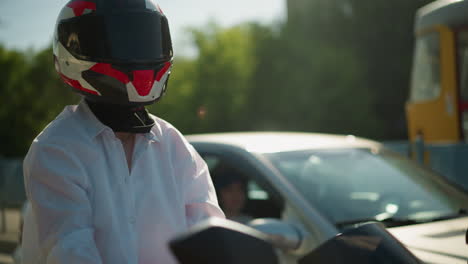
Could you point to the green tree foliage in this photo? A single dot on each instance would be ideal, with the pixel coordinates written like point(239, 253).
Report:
point(215, 96)
point(253, 77)
point(338, 66)
point(380, 35)
point(13, 65)
point(32, 95)
point(176, 107)
point(306, 85)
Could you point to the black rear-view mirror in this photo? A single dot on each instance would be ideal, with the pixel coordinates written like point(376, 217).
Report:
point(218, 240)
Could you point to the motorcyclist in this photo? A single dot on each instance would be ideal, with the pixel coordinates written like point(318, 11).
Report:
point(109, 182)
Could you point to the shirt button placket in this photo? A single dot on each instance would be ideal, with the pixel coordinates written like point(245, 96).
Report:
point(132, 193)
point(127, 181)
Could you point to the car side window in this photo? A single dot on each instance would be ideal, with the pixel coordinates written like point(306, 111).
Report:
point(211, 161)
point(239, 194)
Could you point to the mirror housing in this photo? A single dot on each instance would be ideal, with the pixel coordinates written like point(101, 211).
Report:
point(367, 243)
point(218, 240)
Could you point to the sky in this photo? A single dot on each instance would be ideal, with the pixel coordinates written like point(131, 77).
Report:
point(30, 23)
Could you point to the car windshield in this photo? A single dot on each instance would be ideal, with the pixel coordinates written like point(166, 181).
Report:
point(347, 185)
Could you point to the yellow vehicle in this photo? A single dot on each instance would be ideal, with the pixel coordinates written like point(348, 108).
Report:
point(437, 109)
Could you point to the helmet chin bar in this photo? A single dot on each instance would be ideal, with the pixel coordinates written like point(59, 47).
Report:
point(157, 89)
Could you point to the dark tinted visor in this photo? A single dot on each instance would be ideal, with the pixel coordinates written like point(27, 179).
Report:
point(118, 37)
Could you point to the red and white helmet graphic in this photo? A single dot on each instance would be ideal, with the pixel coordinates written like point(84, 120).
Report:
point(112, 51)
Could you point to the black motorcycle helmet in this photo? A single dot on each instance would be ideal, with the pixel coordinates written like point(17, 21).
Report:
point(115, 52)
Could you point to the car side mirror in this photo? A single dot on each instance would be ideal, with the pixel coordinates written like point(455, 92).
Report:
point(282, 235)
point(217, 240)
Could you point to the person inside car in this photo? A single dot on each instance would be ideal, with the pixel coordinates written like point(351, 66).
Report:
point(231, 187)
point(109, 182)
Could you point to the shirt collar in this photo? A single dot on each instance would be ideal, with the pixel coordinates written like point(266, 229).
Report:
point(91, 123)
point(151, 136)
point(96, 127)
point(156, 132)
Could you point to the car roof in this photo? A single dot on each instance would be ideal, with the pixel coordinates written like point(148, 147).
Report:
point(270, 142)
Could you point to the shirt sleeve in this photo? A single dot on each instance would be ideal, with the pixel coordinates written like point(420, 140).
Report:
point(56, 187)
point(201, 201)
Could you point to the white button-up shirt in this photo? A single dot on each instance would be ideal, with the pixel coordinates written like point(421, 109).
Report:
point(88, 208)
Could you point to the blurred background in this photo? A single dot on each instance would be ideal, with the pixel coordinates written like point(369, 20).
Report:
point(333, 66)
